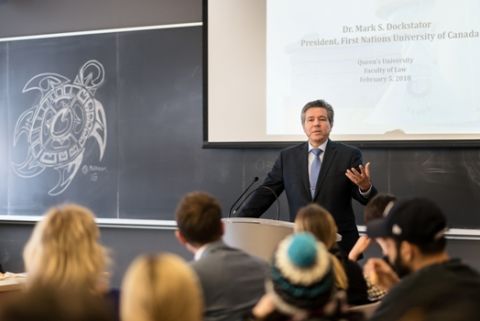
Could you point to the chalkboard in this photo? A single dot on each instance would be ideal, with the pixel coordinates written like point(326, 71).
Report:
point(3, 124)
point(141, 77)
point(450, 177)
point(152, 98)
point(151, 95)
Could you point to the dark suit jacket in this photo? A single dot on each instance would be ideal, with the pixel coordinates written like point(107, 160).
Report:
point(334, 190)
point(232, 281)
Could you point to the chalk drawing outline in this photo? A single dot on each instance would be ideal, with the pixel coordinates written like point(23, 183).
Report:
point(58, 127)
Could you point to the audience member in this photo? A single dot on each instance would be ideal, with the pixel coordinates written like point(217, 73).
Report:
point(161, 288)
point(376, 208)
point(48, 303)
point(64, 251)
point(232, 280)
point(301, 285)
point(432, 284)
point(348, 275)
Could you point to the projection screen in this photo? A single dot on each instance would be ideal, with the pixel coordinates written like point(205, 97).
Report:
point(394, 71)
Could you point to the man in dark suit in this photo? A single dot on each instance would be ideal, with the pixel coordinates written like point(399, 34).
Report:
point(232, 280)
point(320, 171)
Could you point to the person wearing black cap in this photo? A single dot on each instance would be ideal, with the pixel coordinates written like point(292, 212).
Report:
point(431, 283)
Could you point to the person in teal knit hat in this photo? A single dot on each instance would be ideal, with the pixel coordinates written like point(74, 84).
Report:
point(301, 285)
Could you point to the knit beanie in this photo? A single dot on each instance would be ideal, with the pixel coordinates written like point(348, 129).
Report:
point(301, 276)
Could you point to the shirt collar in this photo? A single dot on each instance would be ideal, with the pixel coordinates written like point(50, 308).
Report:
point(322, 146)
point(199, 252)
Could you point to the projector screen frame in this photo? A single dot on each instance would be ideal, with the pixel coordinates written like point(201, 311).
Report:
point(366, 144)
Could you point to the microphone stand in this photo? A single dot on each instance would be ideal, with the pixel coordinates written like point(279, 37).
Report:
point(277, 201)
point(255, 179)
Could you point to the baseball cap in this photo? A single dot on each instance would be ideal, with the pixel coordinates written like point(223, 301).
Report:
point(417, 220)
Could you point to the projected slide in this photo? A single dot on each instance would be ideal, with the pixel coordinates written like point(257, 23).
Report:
point(391, 69)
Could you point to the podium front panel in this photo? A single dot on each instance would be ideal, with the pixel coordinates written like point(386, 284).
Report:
point(258, 237)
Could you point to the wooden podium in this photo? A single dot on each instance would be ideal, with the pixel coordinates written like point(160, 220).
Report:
point(256, 236)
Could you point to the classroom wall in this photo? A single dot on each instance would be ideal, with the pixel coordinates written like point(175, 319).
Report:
point(19, 18)
point(450, 177)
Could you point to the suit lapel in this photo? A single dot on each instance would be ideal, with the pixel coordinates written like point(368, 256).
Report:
point(327, 161)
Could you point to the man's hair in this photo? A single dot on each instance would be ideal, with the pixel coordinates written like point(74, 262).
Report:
point(320, 103)
point(427, 250)
point(376, 206)
point(433, 248)
point(199, 218)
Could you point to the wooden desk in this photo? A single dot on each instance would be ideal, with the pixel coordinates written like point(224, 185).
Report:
point(11, 283)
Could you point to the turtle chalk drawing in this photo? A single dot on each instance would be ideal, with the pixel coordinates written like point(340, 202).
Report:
point(58, 127)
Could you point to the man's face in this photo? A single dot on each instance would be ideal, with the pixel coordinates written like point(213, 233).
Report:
point(317, 127)
point(396, 258)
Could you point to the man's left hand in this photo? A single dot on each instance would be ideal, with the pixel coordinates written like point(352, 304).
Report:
point(360, 176)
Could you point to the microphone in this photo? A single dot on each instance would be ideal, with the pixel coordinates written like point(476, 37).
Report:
point(230, 213)
point(277, 201)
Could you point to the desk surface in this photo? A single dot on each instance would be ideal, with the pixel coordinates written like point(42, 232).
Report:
point(12, 282)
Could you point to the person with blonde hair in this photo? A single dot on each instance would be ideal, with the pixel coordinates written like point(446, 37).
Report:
point(161, 288)
point(64, 251)
point(348, 275)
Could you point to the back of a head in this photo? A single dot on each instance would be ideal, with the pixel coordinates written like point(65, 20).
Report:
point(317, 220)
point(47, 303)
point(199, 218)
point(161, 287)
point(418, 221)
point(301, 279)
point(64, 250)
point(378, 206)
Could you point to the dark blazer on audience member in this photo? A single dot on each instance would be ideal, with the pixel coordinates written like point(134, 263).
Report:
point(232, 281)
point(357, 292)
point(334, 190)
